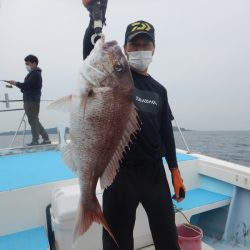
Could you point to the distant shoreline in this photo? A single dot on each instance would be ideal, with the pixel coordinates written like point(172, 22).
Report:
point(54, 131)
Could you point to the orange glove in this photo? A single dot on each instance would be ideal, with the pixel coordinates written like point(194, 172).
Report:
point(86, 2)
point(179, 187)
point(89, 5)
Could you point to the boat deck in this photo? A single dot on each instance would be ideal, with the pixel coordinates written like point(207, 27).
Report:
point(44, 167)
point(29, 170)
point(32, 239)
point(23, 174)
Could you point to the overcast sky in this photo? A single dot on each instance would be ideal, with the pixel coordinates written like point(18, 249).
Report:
point(202, 54)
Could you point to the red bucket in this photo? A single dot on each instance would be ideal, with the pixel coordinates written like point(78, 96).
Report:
point(189, 237)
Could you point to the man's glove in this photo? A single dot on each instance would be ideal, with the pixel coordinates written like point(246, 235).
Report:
point(179, 187)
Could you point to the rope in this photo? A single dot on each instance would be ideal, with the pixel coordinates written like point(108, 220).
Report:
point(188, 224)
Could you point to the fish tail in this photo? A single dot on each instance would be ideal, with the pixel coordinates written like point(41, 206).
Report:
point(86, 217)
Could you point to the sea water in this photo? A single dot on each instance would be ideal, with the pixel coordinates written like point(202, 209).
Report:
point(233, 146)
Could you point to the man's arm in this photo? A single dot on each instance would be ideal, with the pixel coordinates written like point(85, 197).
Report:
point(29, 83)
point(169, 142)
point(97, 10)
point(168, 134)
point(87, 44)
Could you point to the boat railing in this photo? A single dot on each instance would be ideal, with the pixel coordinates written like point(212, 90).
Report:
point(61, 128)
point(7, 102)
point(183, 138)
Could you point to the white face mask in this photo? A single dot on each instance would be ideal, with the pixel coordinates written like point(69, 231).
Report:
point(140, 60)
point(28, 67)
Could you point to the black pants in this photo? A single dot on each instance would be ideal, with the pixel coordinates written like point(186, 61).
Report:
point(32, 112)
point(148, 185)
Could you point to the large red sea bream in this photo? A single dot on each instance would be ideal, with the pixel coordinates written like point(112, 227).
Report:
point(103, 119)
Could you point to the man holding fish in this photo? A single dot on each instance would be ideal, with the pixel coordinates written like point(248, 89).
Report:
point(141, 177)
point(120, 128)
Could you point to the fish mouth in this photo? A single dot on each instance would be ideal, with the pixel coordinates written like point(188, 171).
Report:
point(113, 52)
point(112, 47)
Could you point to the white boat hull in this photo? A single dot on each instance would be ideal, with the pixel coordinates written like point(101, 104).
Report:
point(226, 217)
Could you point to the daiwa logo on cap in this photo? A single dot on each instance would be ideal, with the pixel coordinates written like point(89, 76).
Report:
point(140, 26)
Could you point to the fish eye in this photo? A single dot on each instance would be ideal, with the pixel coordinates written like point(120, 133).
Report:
point(118, 67)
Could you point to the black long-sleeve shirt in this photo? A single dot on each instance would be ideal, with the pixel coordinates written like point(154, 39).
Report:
point(32, 85)
point(155, 138)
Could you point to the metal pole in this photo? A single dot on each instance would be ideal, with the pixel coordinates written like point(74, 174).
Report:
point(5, 110)
point(18, 130)
point(61, 129)
point(24, 131)
point(188, 150)
point(7, 101)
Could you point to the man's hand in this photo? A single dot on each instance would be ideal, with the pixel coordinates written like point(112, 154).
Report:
point(12, 82)
point(179, 187)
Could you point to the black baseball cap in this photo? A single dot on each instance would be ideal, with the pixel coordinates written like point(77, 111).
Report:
point(139, 27)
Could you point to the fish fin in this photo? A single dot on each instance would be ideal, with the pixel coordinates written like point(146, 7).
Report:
point(87, 217)
point(62, 104)
point(131, 129)
point(67, 155)
point(79, 102)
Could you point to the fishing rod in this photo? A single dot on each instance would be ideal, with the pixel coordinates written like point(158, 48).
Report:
point(7, 86)
point(97, 19)
point(97, 9)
